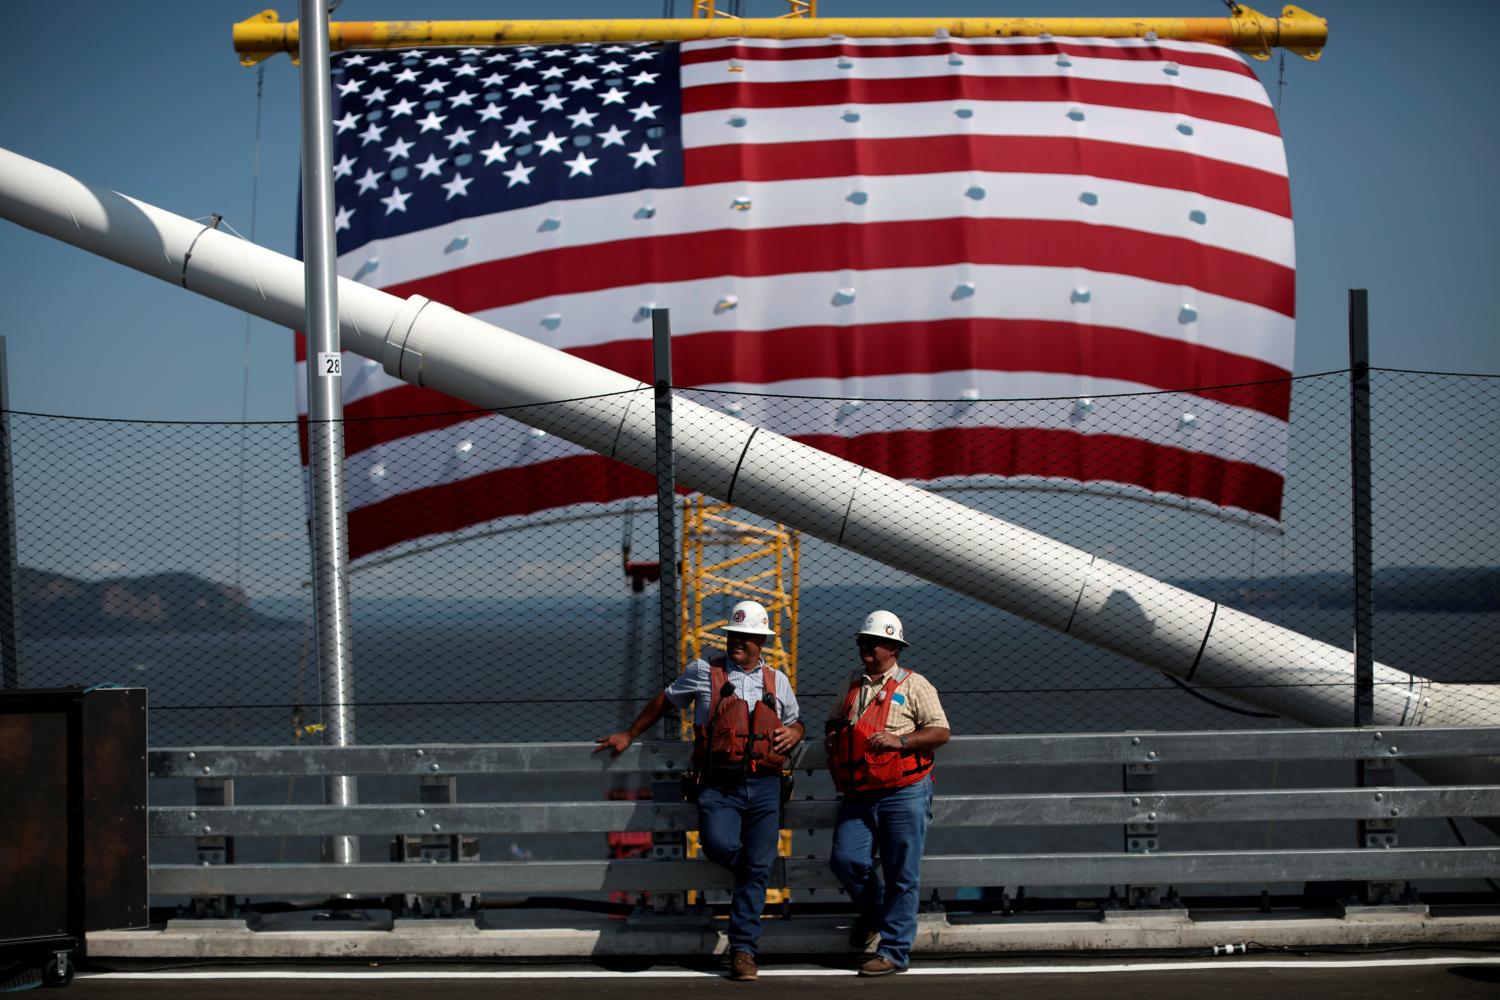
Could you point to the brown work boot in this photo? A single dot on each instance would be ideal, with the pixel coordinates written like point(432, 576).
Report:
point(742, 967)
point(880, 966)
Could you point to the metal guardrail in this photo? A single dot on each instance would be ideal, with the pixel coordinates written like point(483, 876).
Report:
point(1181, 868)
point(1140, 812)
point(949, 810)
point(961, 751)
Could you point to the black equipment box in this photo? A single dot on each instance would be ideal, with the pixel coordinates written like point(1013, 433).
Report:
point(72, 817)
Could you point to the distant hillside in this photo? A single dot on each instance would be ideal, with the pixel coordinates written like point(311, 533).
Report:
point(1399, 588)
point(56, 606)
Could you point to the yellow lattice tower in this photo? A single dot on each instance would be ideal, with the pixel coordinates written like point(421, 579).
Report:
point(723, 556)
point(726, 557)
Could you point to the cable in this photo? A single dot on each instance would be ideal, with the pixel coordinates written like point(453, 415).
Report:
point(239, 525)
point(1280, 84)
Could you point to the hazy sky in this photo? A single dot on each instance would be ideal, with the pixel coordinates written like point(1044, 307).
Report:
point(1391, 138)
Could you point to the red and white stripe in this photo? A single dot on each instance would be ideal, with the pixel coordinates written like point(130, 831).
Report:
point(892, 218)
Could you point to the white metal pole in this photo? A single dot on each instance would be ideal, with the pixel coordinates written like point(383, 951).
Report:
point(325, 414)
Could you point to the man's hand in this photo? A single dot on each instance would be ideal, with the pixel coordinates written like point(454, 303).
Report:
point(783, 738)
point(615, 743)
point(884, 741)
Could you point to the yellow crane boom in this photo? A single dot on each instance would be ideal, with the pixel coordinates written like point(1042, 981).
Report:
point(1248, 30)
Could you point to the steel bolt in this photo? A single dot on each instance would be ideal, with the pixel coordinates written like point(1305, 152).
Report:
point(434, 766)
point(192, 815)
point(1395, 811)
point(1135, 802)
point(1135, 741)
point(436, 827)
point(192, 755)
point(1394, 749)
point(207, 828)
point(1151, 755)
point(421, 812)
point(205, 769)
point(1379, 737)
point(1151, 817)
point(421, 752)
point(1379, 797)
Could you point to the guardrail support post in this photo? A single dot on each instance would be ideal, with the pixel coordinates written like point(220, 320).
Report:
point(1143, 838)
point(1379, 834)
point(213, 848)
point(440, 846)
point(666, 786)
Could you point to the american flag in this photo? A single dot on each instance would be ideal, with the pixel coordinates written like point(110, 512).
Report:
point(930, 218)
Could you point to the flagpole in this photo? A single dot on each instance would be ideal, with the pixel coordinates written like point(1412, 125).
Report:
point(325, 414)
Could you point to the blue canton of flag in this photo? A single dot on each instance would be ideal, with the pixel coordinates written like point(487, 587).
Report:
point(424, 137)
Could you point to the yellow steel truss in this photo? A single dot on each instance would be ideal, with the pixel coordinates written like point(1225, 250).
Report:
point(265, 34)
point(723, 556)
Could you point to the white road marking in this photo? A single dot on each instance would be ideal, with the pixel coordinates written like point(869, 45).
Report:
point(919, 970)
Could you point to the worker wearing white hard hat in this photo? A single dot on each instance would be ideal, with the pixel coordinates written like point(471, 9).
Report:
point(745, 722)
point(880, 738)
point(883, 625)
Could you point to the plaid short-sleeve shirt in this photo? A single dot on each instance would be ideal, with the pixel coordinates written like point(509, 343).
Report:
point(914, 706)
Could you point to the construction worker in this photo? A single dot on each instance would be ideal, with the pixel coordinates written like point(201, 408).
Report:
point(880, 739)
point(745, 721)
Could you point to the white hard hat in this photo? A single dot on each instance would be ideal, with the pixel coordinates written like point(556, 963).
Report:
point(883, 625)
point(749, 618)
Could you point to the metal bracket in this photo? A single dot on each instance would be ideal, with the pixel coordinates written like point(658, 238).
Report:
point(437, 846)
point(1379, 773)
point(666, 786)
point(212, 848)
point(1142, 837)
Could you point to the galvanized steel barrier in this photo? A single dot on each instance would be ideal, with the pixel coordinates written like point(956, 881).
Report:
point(1140, 811)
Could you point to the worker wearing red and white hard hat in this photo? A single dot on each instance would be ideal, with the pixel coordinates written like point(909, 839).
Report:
point(880, 739)
point(745, 721)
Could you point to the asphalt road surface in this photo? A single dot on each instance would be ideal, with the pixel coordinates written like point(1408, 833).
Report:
point(1449, 976)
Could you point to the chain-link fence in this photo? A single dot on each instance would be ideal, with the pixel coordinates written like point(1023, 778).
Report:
point(176, 556)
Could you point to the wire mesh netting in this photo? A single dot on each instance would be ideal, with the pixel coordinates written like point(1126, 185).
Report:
point(176, 556)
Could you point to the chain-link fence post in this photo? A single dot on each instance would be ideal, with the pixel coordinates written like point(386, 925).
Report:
point(666, 495)
point(1359, 440)
point(10, 623)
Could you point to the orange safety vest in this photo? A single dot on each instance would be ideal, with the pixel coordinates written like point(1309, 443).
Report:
point(855, 768)
point(736, 735)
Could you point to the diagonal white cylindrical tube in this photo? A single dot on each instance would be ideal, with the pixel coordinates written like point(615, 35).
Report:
point(933, 537)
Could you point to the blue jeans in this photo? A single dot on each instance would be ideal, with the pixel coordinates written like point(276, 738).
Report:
point(737, 826)
point(897, 821)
